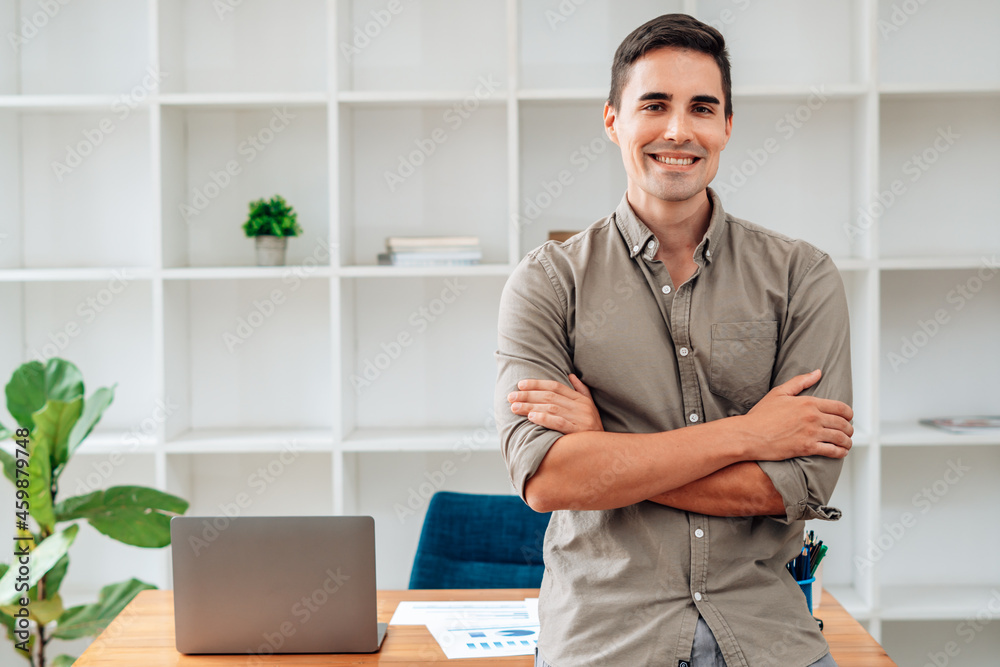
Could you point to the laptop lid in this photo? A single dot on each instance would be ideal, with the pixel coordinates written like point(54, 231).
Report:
point(263, 585)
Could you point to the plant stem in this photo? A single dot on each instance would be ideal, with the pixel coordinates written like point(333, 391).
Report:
point(41, 645)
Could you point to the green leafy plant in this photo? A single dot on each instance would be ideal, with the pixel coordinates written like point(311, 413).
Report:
point(272, 218)
point(54, 419)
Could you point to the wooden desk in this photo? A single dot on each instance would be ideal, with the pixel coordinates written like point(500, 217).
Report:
point(143, 636)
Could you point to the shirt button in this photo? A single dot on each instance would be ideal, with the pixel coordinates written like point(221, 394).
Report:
point(684, 351)
point(666, 289)
point(699, 533)
point(635, 248)
point(697, 596)
point(650, 245)
point(708, 253)
point(693, 417)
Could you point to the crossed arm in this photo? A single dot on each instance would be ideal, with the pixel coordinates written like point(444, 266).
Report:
point(720, 479)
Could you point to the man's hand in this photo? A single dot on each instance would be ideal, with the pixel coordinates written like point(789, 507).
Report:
point(785, 425)
point(555, 406)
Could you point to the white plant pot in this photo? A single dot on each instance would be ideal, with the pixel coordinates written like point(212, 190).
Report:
point(271, 250)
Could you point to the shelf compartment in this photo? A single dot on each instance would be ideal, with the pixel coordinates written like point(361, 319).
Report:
point(77, 321)
point(254, 46)
point(423, 171)
point(939, 334)
point(73, 48)
point(83, 183)
point(774, 148)
point(939, 146)
point(569, 179)
point(289, 482)
point(229, 360)
point(215, 162)
point(571, 45)
point(826, 53)
point(398, 46)
point(430, 340)
point(411, 480)
point(423, 271)
point(968, 27)
point(940, 500)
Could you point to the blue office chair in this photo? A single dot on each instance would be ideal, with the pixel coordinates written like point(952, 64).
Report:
point(479, 541)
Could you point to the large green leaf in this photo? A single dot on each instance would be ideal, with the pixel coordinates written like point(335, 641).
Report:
point(44, 557)
point(54, 423)
point(135, 515)
point(93, 408)
point(32, 384)
point(91, 619)
point(63, 661)
point(55, 576)
point(40, 484)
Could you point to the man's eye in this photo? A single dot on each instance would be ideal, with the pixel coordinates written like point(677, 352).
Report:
point(702, 109)
point(654, 107)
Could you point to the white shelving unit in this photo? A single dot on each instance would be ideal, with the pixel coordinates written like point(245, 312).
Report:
point(133, 135)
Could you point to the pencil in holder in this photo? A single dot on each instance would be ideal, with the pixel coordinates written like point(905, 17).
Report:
point(807, 590)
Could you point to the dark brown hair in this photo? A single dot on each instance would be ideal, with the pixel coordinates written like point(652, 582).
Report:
point(676, 30)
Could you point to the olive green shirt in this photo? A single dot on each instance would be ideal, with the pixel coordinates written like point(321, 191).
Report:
point(626, 586)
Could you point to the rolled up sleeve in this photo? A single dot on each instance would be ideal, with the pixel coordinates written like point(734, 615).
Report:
point(531, 344)
point(815, 334)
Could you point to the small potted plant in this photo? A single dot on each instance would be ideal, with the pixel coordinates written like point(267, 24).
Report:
point(271, 223)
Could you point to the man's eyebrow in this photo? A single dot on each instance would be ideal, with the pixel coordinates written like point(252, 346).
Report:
point(668, 97)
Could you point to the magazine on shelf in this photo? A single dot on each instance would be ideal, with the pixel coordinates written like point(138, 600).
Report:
point(965, 425)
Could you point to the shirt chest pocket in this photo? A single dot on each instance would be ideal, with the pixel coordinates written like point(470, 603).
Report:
point(742, 360)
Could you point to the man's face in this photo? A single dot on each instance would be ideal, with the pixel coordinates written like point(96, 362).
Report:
point(671, 126)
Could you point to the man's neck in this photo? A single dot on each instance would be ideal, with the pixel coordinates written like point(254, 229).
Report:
point(679, 226)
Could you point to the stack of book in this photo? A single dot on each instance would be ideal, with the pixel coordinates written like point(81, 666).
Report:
point(431, 251)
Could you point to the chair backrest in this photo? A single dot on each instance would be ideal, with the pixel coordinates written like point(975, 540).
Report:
point(479, 541)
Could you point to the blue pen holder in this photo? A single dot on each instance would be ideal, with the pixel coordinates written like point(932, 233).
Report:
point(807, 590)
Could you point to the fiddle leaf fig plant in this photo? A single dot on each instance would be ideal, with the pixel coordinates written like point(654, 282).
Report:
point(272, 218)
point(53, 419)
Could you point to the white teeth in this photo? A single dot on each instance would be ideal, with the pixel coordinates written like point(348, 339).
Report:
point(674, 160)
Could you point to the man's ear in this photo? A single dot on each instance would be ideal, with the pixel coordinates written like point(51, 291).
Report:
point(610, 116)
point(729, 130)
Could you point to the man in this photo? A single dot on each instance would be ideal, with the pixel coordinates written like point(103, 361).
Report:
point(689, 335)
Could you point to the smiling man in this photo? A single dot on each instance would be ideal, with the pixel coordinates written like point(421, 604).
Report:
point(674, 385)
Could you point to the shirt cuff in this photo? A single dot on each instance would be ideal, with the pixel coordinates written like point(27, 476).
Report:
point(527, 456)
point(790, 481)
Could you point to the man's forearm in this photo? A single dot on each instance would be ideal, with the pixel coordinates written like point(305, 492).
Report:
point(741, 489)
point(595, 470)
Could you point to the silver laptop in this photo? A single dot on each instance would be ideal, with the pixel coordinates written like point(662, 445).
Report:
point(265, 585)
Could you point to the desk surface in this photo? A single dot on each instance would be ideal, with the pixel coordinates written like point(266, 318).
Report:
point(143, 634)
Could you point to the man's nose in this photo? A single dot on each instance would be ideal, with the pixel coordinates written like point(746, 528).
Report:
point(678, 128)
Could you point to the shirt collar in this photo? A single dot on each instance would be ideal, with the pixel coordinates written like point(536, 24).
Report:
point(641, 240)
